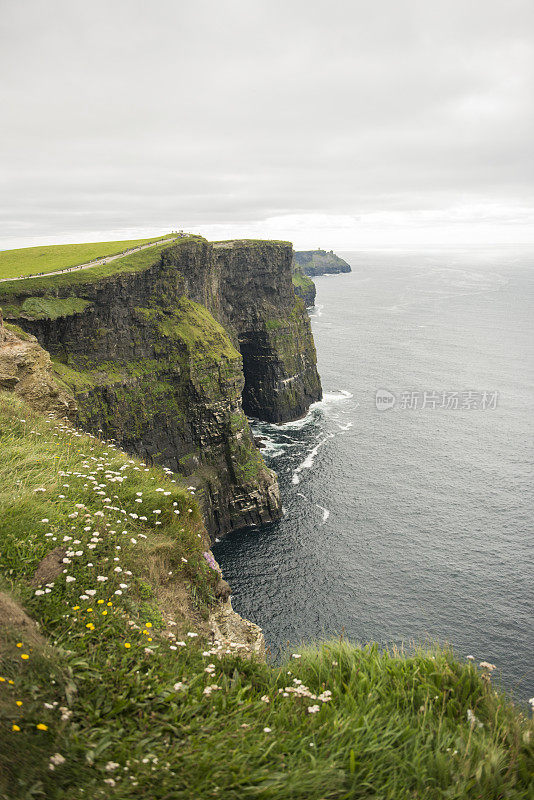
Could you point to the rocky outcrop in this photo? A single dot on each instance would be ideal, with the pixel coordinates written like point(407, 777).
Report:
point(163, 359)
point(320, 262)
point(26, 370)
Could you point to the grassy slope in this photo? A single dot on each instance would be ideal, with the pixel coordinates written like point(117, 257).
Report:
point(32, 260)
point(139, 721)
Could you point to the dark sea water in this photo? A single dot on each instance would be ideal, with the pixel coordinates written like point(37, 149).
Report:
point(410, 523)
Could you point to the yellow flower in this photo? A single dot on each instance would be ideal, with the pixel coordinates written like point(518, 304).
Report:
point(2, 680)
point(148, 624)
point(99, 602)
point(127, 644)
point(104, 613)
point(150, 638)
point(42, 727)
point(12, 683)
point(75, 608)
point(145, 632)
point(90, 626)
point(109, 604)
point(24, 656)
point(89, 610)
point(18, 702)
point(15, 727)
point(19, 644)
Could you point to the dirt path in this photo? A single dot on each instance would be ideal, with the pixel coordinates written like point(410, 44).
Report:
point(104, 260)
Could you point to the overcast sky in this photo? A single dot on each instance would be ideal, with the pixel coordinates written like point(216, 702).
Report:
point(332, 123)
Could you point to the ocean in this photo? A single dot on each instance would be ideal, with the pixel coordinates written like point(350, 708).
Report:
point(411, 521)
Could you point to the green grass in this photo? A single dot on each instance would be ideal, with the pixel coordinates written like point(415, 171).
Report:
point(140, 721)
point(13, 291)
point(33, 260)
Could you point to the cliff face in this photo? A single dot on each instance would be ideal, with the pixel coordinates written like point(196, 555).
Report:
point(270, 327)
point(319, 262)
point(151, 365)
point(303, 286)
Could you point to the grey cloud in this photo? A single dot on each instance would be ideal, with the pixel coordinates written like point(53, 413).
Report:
point(128, 114)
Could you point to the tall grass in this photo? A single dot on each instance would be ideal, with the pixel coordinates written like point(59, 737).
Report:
point(131, 706)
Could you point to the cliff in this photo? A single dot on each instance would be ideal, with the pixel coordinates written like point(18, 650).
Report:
point(303, 286)
point(319, 262)
point(166, 349)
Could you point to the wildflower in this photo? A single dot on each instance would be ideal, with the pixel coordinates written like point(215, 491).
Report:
point(295, 655)
point(15, 727)
point(111, 765)
point(101, 578)
point(265, 699)
point(69, 579)
point(25, 656)
point(41, 727)
point(56, 760)
point(267, 730)
point(178, 686)
point(109, 781)
point(148, 624)
point(127, 645)
point(487, 665)
point(192, 635)
point(118, 592)
point(313, 709)
point(18, 702)
point(470, 658)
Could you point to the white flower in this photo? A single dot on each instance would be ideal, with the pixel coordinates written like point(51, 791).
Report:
point(101, 578)
point(267, 730)
point(295, 655)
point(57, 759)
point(265, 699)
point(313, 709)
point(90, 592)
point(69, 579)
point(44, 520)
point(178, 686)
point(118, 592)
point(157, 511)
point(39, 592)
point(192, 635)
point(470, 658)
point(111, 765)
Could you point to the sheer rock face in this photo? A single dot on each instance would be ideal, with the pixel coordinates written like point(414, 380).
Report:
point(271, 328)
point(164, 359)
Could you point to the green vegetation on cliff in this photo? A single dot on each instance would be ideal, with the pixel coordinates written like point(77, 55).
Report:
point(111, 697)
point(319, 262)
point(51, 284)
point(33, 260)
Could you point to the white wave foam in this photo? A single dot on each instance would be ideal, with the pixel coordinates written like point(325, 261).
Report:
point(344, 427)
point(309, 460)
point(326, 512)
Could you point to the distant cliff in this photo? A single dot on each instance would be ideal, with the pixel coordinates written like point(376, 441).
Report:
point(319, 262)
point(166, 355)
point(303, 285)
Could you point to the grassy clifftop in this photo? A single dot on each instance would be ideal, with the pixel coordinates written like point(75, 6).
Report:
point(33, 260)
point(114, 696)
